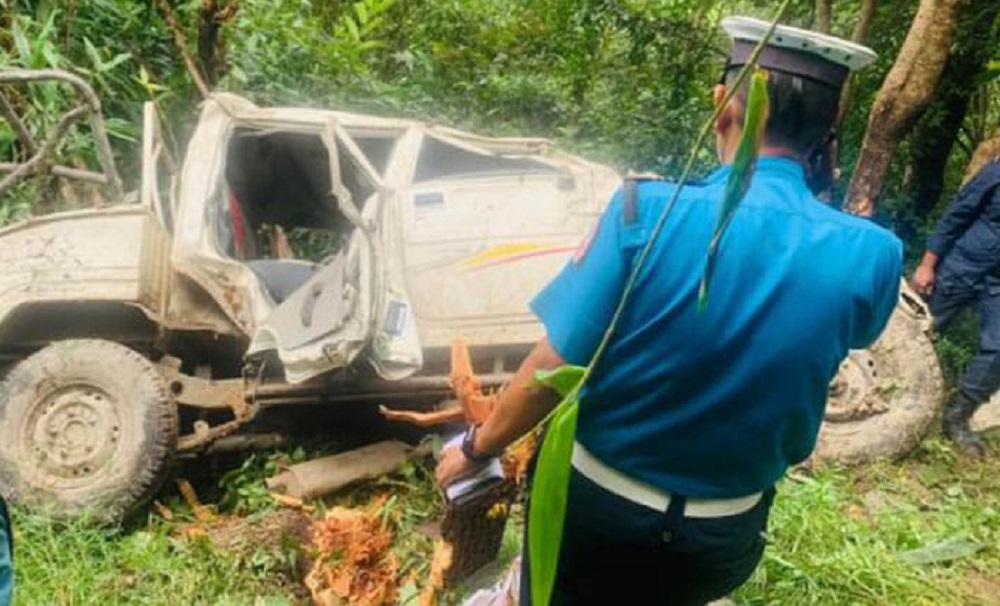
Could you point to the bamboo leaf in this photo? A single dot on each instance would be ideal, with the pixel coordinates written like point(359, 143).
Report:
point(362, 11)
point(549, 494)
point(95, 57)
point(563, 379)
point(754, 125)
point(117, 60)
point(352, 28)
point(21, 42)
point(368, 45)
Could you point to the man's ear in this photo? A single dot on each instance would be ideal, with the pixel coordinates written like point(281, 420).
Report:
point(718, 94)
point(725, 118)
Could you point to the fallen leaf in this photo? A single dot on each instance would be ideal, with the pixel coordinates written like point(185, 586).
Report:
point(954, 548)
point(292, 502)
point(440, 564)
point(201, 513)
point(163, 511)
point(354, 558)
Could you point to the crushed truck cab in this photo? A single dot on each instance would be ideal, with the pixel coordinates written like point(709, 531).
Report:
point(297, 256)
point(427, 228)
point(294, 256)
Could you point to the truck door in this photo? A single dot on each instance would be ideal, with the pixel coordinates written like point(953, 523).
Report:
point(158, 169)
point(354, 303)
point(485, 232)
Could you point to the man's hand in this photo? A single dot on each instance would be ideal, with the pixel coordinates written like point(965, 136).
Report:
point(453, 466)
point(926, 275)
point(923, 280)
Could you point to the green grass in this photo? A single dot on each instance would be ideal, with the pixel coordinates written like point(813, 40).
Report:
point(835, 538)
point(79, 564)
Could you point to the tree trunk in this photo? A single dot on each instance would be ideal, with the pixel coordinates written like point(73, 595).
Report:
point(939, 128)
point(904, 96)
point(211, 53)
point(862, 30)
point(988, 151)
point(823, 16)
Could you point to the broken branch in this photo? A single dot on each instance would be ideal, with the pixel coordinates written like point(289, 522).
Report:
point(27, 141)
point(423, 419)
point(37, 162)
point(180, 41)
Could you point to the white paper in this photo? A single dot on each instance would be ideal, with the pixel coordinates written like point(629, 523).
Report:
point(492, 470)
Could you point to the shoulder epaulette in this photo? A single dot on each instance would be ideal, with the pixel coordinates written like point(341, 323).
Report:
point(630, 195)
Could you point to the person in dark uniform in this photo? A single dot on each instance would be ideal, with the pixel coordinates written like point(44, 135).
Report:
point(6, 555)
point(690, 419)
point(961, 268)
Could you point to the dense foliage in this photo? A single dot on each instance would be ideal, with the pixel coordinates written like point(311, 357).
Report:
point(621, 81)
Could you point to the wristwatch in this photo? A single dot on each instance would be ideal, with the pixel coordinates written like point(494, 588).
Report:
point(469, 446)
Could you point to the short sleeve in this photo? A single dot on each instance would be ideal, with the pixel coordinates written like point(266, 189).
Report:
point(887, 274)
point(576, 307)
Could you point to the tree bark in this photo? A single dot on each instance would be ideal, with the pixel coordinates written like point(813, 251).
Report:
point(988, 151)
point(861, 33)
point(938, 130)
point(862, 30)
point(180, 41)
point(211, 53)
point(905, 94)
point(823, 16)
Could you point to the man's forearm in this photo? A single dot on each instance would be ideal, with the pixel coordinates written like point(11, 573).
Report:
point(523, 404)
point(930, 259)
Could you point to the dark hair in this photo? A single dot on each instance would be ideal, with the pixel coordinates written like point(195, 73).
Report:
point(803, 111)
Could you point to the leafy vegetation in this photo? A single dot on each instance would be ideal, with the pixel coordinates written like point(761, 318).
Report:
point(836, 537)
point(625, 82)
point(243, 489)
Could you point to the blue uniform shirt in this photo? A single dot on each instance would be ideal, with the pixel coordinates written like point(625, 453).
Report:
point(969, 232)
point(719, 405)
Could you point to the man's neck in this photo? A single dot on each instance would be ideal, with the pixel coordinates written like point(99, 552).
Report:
point(778, 151)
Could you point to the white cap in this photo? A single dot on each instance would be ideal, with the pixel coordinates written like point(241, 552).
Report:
point(797, 51)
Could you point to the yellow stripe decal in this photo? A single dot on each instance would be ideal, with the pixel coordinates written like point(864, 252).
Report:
point(510, 253)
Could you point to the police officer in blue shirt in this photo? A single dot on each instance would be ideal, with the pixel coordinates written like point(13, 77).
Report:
point(690, 419)
point(961, 268)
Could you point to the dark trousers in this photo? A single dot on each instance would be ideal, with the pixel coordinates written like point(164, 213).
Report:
point(615, 551)
point(958, 288)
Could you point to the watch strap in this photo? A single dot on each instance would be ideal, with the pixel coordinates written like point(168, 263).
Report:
point(469, 446)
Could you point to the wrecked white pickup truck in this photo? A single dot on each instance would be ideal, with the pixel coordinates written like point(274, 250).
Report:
point(194, 297)
point(299, 256)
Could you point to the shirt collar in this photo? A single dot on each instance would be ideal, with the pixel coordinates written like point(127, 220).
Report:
point(776, 166)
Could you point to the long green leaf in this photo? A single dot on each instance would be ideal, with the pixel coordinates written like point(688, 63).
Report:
point(547, 507)
point(747, 152)
point(549, 494)
point(21, 43)
point(563, 379)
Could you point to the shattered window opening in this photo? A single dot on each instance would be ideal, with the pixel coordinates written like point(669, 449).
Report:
point(281, 218)
point(439, 159)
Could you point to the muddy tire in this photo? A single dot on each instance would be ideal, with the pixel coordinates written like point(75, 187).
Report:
point(87, 427)
point(885, 399)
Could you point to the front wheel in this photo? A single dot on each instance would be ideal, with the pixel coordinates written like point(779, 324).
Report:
point(884, 400)
point(86, 427)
